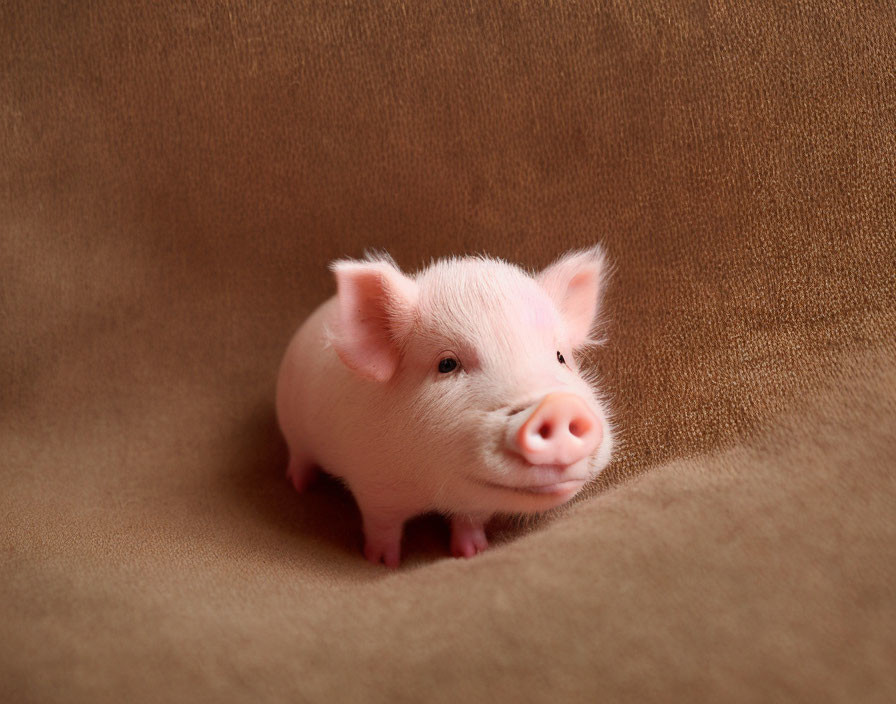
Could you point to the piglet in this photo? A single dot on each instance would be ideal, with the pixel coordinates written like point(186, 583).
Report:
point(455, 390)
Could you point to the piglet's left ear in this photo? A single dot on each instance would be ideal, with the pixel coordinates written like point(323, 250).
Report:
point(376, 305)
point(575, 282)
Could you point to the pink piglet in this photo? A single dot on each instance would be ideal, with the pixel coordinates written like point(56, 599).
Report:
point(454, 390)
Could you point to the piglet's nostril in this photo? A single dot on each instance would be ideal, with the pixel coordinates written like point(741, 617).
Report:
point(579, 427)
point(545, 431)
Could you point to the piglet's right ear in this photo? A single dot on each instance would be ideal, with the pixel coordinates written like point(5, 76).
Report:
point(375, 308)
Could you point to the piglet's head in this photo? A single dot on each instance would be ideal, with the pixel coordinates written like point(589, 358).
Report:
point(478, 359)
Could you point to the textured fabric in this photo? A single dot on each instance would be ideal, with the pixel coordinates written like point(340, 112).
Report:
point(175, 178)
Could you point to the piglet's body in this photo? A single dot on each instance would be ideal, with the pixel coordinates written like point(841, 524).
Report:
point(455, 390)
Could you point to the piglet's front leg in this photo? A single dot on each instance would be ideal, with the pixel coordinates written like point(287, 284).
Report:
point(382, 537)
point(468, 535)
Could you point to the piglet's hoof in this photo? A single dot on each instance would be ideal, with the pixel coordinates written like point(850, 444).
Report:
point(388, 554)
point(382, 540)
point(301, 473)
point(467, 537)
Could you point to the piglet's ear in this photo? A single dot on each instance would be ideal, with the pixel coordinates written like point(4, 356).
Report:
point(575, 283)
point(375, 308)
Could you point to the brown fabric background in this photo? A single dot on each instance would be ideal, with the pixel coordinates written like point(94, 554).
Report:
point(174, 180)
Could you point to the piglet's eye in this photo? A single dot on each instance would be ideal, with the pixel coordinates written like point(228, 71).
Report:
point(560, 358)
point(447, 365)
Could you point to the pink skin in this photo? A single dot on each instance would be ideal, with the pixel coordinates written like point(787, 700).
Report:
point(508, 426)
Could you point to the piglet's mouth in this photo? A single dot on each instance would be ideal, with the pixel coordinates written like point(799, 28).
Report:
point(568, 486)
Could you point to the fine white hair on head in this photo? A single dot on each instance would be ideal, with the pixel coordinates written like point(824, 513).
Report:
point(375, 254)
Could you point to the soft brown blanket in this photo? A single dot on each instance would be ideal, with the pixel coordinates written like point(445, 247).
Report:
point(174, 178)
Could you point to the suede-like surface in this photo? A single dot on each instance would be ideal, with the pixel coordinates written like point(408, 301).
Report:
point(174, 180)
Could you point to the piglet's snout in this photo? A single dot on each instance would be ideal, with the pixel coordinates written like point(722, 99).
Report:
point(561, 430)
